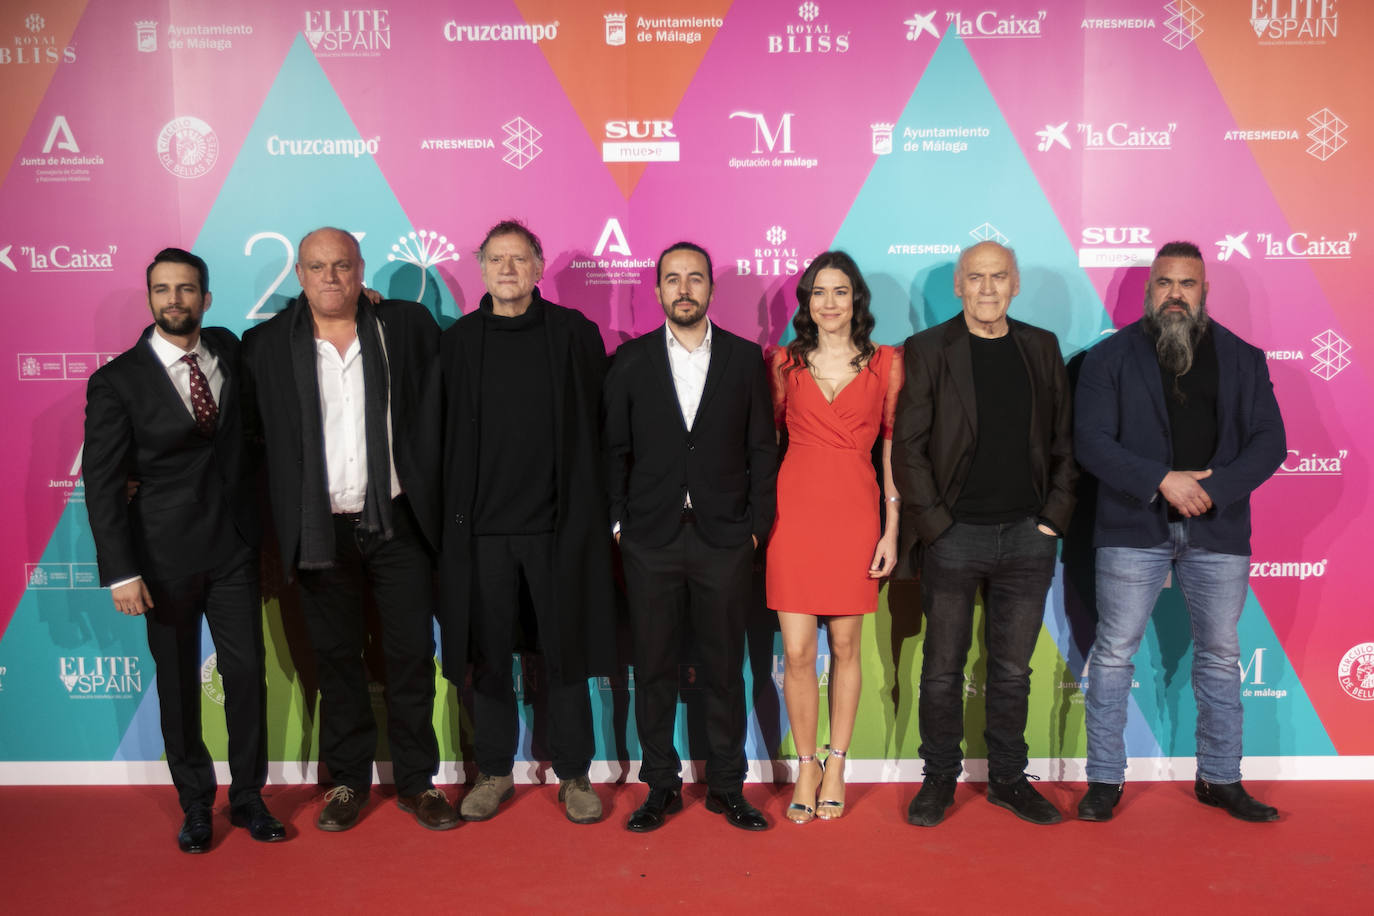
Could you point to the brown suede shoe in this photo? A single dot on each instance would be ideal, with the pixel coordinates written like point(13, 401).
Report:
point(580, 802)
point(431, 808)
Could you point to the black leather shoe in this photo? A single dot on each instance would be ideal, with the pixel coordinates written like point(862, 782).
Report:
point(342, 808)
point(195, 833)
point(1020, 798)
point(262, 826)
point(1097, 805)
point(1232, 798)
point(736, 809)
point(655, 810)
point(930, 804)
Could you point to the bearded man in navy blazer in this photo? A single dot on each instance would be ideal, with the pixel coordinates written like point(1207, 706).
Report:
point(692, 462)
point(1177, 420)
point(165, 413)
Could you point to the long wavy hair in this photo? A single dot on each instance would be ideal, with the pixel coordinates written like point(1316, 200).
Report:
point(860, 324)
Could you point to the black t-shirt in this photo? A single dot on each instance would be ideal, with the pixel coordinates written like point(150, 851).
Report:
point(1193, 418)
point(515, 459)
point(999, 486)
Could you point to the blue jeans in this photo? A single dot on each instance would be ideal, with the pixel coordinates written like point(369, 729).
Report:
point(1129, 581)
point(1014, 563)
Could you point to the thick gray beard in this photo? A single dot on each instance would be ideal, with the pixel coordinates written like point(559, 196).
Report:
point(1176, 338)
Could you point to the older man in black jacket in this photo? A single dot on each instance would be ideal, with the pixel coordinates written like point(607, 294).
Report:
point(982, 456)
point(336, 384)
point(524, 507)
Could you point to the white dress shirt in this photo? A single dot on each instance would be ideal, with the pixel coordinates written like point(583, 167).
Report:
point(170, 355)
point(343, 407)
point(689, 369)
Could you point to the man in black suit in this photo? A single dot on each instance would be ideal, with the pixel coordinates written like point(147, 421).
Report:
point(691, 465)
point(336, 384)
point(982, 453)
point(166, 414)
point(524, 508)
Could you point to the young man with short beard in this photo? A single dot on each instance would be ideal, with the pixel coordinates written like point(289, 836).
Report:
point(1176, 417)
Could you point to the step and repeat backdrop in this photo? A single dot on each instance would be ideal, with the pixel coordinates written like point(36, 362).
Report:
point(1084, 134)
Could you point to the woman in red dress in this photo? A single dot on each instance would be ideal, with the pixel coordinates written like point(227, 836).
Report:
point(833, 391)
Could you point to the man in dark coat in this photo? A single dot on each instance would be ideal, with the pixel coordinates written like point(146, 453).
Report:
point(166, 413)
point(1178, 422)
point(336, 384)
point(523, 509)
point(982, 454)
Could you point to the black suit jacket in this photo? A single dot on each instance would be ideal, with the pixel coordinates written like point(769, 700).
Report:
point(582, 555)
point(728, 461)
point(194, 505)
point(936, 427)
point(412, 342)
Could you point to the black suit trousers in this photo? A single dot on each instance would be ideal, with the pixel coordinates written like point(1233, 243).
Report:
point(689, 581)
point(400, 573)
point(500, 563)
point(229, 599)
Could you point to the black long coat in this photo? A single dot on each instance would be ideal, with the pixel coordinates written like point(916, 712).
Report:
point(582, 549)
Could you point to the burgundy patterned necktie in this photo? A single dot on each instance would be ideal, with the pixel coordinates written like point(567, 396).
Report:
point(201, 401)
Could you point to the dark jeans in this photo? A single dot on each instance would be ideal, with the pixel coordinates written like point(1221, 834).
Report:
point(501, 562)
point(1013, 562)
point(228, 598)
point(686, 580)
point(400, 573)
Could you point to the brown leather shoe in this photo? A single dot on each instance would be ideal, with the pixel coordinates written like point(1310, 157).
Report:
point(342, 808)
point(431, 808)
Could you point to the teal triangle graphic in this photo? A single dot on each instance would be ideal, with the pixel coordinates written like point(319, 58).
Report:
point(304, 165)
point(76, 670)
point(1279, 718)
point(925, 201)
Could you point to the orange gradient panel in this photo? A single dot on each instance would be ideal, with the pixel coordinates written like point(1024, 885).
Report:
point(28, 62)
point(1274, 86)
point(638, 81)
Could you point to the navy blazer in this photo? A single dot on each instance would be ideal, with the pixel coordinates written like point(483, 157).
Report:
point(1122, 437)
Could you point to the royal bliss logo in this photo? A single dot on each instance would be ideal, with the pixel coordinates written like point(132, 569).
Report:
point(808, 35)
point(774, 260)
point(31, 44)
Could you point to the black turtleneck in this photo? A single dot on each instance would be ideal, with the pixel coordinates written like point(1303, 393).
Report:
point(515, 455)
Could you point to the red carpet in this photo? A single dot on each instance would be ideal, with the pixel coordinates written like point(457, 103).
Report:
point(113, 850)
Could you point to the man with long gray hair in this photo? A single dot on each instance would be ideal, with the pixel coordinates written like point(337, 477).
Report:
point(1176, 417)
